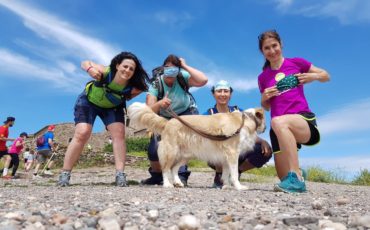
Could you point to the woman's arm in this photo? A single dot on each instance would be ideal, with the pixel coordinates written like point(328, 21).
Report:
point(197, 78)
point(18, 143)
point(156, 105)
point(267, 94)
point(96, 71)
point(313, 74)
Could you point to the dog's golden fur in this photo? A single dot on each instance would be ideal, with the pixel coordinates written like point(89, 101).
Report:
point(179, 143)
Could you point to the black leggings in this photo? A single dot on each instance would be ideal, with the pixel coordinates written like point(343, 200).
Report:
point(14, 163)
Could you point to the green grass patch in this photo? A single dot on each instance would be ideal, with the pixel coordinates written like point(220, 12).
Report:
point(197, 164)
point(143, 154)
point(317, 174)
point(268, 170)
point(363, 178)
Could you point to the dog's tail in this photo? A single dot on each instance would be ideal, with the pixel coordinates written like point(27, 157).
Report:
point(143, 116)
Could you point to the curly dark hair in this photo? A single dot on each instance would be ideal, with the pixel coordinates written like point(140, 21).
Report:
point(140, 78)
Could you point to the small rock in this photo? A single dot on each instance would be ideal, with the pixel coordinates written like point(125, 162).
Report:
point(59, 219)
point(34, 219)
point(300, 220)
point(342, 200)
point(189, 222)
point(227, 218)
point(327, 224)
point(153, 215)
point(317, 204)
point(14, 215)
point(109, 212)
point(328, 212)
point(109, 223)
point(363, 221)
point(78, 224)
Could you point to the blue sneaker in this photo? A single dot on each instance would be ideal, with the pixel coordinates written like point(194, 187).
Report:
point(290, 184)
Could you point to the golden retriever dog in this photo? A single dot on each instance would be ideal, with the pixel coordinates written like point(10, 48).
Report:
point(179, 143)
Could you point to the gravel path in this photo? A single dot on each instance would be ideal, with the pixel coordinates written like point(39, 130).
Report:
point(94, 203)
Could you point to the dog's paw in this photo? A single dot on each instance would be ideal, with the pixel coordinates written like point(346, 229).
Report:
point(167, 185)
point(178, 185)
point(226, 187)
point(241, 187)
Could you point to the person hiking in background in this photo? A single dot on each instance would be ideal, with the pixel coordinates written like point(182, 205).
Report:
point(30, 160)
point(14, 151)
point(169, 89)
point(105, 97)
point(4, 137)
point(25, 155)
point(292, 122)
point(44, 151)
point(261, 153)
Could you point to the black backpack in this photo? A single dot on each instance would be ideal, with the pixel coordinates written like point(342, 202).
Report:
point(157, 83)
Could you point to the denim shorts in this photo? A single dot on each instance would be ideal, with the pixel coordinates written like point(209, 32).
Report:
point(314, 138)
point(86, 112)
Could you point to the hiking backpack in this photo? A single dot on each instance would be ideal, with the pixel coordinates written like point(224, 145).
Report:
point(40, 141)
point(103, 83)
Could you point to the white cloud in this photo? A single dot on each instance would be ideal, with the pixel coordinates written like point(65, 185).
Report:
point(53, 29)
point(347, 12)
point(177, 20)
point(350, 118)
point(18, 66)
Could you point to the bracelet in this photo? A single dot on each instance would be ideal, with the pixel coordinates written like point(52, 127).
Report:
point(89, 68)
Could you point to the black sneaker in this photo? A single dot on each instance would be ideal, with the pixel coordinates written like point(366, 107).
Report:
point(184, 176)
point(155, 179)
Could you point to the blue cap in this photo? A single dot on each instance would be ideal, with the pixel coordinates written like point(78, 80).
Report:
point(222, 85)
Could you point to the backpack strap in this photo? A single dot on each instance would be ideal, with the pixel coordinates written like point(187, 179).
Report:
point(103, 83)
point(235, 108)
point(211, 111)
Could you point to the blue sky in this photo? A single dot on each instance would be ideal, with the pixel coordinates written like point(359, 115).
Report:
point(43, 42)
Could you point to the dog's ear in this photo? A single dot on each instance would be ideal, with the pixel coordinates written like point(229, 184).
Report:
point(260, 113)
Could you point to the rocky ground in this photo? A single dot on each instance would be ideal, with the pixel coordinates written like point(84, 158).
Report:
point(92, 202)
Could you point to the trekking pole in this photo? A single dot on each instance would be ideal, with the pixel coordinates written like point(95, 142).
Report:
point(47, 163)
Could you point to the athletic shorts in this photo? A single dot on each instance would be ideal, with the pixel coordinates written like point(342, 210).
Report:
point(3, 153)
point(43, 154)
point(86, 112)
point(315, 134)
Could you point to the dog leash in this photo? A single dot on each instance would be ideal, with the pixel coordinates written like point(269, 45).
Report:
point(203, 134)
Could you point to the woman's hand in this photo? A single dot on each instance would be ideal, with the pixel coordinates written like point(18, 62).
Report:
point(95, 73)
point(305, 78)
point(182, 62)
point(269, 93)
point(165, 102)
point(266, 148)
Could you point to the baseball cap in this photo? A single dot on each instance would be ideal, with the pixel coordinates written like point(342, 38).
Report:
point(222, 85)
point(9, 119)
point(51, 127)
point(23, 134)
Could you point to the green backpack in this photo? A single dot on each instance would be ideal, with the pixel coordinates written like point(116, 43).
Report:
point(114, 97)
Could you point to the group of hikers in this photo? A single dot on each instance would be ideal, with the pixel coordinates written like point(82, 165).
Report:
point(34, 154)
point(281, 85)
